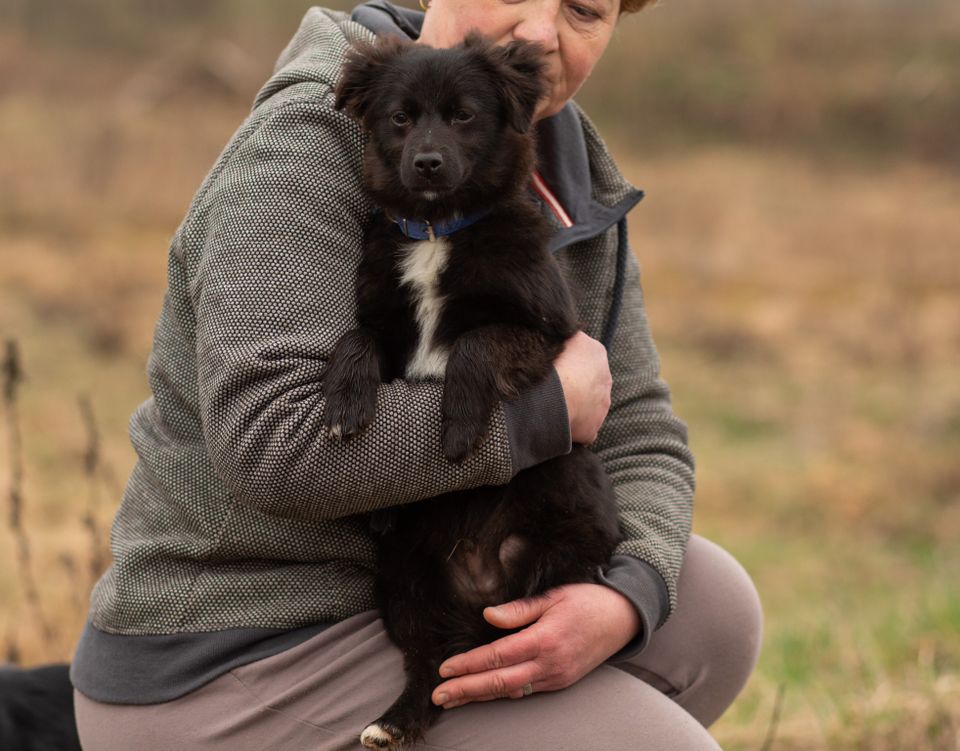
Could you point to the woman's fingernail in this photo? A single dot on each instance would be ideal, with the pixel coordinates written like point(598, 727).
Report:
point(442, 698)
point(446, 672)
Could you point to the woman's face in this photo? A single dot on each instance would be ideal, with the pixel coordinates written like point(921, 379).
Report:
point(573, 34)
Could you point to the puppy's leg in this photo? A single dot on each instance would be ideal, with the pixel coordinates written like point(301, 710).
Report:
point(413, 712)
point(350, 382)
point(469, 396)
point(485, 365)
point(413, 600)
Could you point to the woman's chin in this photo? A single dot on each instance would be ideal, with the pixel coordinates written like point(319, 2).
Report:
point(547, 109)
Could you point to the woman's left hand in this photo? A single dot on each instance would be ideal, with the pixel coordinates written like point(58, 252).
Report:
point(573, 629)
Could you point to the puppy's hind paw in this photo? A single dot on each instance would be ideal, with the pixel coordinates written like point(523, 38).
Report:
point(382, 736)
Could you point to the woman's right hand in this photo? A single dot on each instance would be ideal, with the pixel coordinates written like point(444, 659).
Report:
point(585, 376)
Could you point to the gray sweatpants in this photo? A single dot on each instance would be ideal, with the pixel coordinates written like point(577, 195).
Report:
point(319, 695)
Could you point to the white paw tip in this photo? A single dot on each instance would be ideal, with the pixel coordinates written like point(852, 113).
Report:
point(375, 736)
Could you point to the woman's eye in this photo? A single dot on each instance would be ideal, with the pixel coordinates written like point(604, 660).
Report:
point(400, 118)
point(585, 12)
point(462, 116)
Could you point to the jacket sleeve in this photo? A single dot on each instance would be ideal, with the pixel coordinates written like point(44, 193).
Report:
point(644, 449)
point(271, 252)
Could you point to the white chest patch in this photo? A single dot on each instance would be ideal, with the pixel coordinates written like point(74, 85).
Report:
point(420, 270)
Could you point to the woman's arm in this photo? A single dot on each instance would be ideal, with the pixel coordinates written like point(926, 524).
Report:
point(269, 253)
point(643, 445)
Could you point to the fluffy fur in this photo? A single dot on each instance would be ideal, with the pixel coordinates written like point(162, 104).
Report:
point(486, 309)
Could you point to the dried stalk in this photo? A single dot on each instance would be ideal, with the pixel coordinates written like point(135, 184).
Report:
point(12, 375)
point(77, 585)
point(774, 719)
point(92, 468)
point(12, 651)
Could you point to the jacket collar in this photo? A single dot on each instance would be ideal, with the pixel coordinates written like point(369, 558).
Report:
point(383, 18)
point(564, 165)
point(564, 155)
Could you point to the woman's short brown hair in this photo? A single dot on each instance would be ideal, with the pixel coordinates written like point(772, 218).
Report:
point(632, 6)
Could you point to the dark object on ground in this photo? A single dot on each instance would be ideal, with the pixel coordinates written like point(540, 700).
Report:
point(36, 710)
point(456, 283)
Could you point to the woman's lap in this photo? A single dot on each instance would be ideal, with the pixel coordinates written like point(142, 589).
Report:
point(320, 694)
point(322, 698)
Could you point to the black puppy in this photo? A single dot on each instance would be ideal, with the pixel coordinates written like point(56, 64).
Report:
point(456, 283)
point(36, 710)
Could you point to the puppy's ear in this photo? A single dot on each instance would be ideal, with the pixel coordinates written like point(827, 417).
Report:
point(363, 66)
point(521, 68)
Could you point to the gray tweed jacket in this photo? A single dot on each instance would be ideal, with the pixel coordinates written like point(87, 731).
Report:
point(241, 520)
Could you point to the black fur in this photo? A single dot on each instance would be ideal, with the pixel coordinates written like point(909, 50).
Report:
point(36, 710)
point(507, 313)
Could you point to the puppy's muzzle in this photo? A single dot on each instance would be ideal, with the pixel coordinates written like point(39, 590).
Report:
point(428, 164)
point(431, 168)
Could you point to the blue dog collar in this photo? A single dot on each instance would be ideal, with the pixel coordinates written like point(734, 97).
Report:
point(429, 231)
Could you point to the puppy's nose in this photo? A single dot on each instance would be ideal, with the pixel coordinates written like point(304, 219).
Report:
point(428, 164)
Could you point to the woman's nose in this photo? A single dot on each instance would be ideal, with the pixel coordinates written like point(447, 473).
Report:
point(539, 24)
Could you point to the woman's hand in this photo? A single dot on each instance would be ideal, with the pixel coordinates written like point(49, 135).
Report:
point(585, 376)
point(572, 630)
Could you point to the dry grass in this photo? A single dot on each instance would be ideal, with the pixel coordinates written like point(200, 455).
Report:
point(805, 304)
point(861, 79)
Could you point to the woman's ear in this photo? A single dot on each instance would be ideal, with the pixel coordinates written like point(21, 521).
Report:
point(521, 68)
point(362, 68)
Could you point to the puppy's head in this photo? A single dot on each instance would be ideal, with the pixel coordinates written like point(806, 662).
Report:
point(448, 127)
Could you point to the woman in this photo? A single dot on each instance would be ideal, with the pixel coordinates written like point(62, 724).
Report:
point(237, 613)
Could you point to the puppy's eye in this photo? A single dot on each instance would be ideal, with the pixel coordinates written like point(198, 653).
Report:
point(400, 118)
point(462, 116)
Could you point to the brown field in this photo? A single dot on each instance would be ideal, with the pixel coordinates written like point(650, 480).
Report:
point(801, 258)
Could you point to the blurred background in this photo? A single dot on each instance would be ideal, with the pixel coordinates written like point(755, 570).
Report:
point(800, 245)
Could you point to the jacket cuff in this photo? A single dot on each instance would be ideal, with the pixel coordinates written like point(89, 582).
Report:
point(538, 427)
point(640, 583)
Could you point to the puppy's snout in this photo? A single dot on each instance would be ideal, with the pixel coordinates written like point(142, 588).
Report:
point(428, 164)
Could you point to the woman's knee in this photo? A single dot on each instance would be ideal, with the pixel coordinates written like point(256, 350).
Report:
point(703, 656)
point(728, 606)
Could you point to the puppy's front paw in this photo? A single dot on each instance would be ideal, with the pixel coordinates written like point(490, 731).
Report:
point(349, 381)
point(346, 414)
point(382, 735)
point(461, 439)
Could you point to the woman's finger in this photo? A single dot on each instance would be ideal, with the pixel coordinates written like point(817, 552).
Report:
point(494, 684)
point(517, 613)
point(510, 650)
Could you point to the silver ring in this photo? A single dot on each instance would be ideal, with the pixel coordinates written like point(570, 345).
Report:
point(527, 689)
